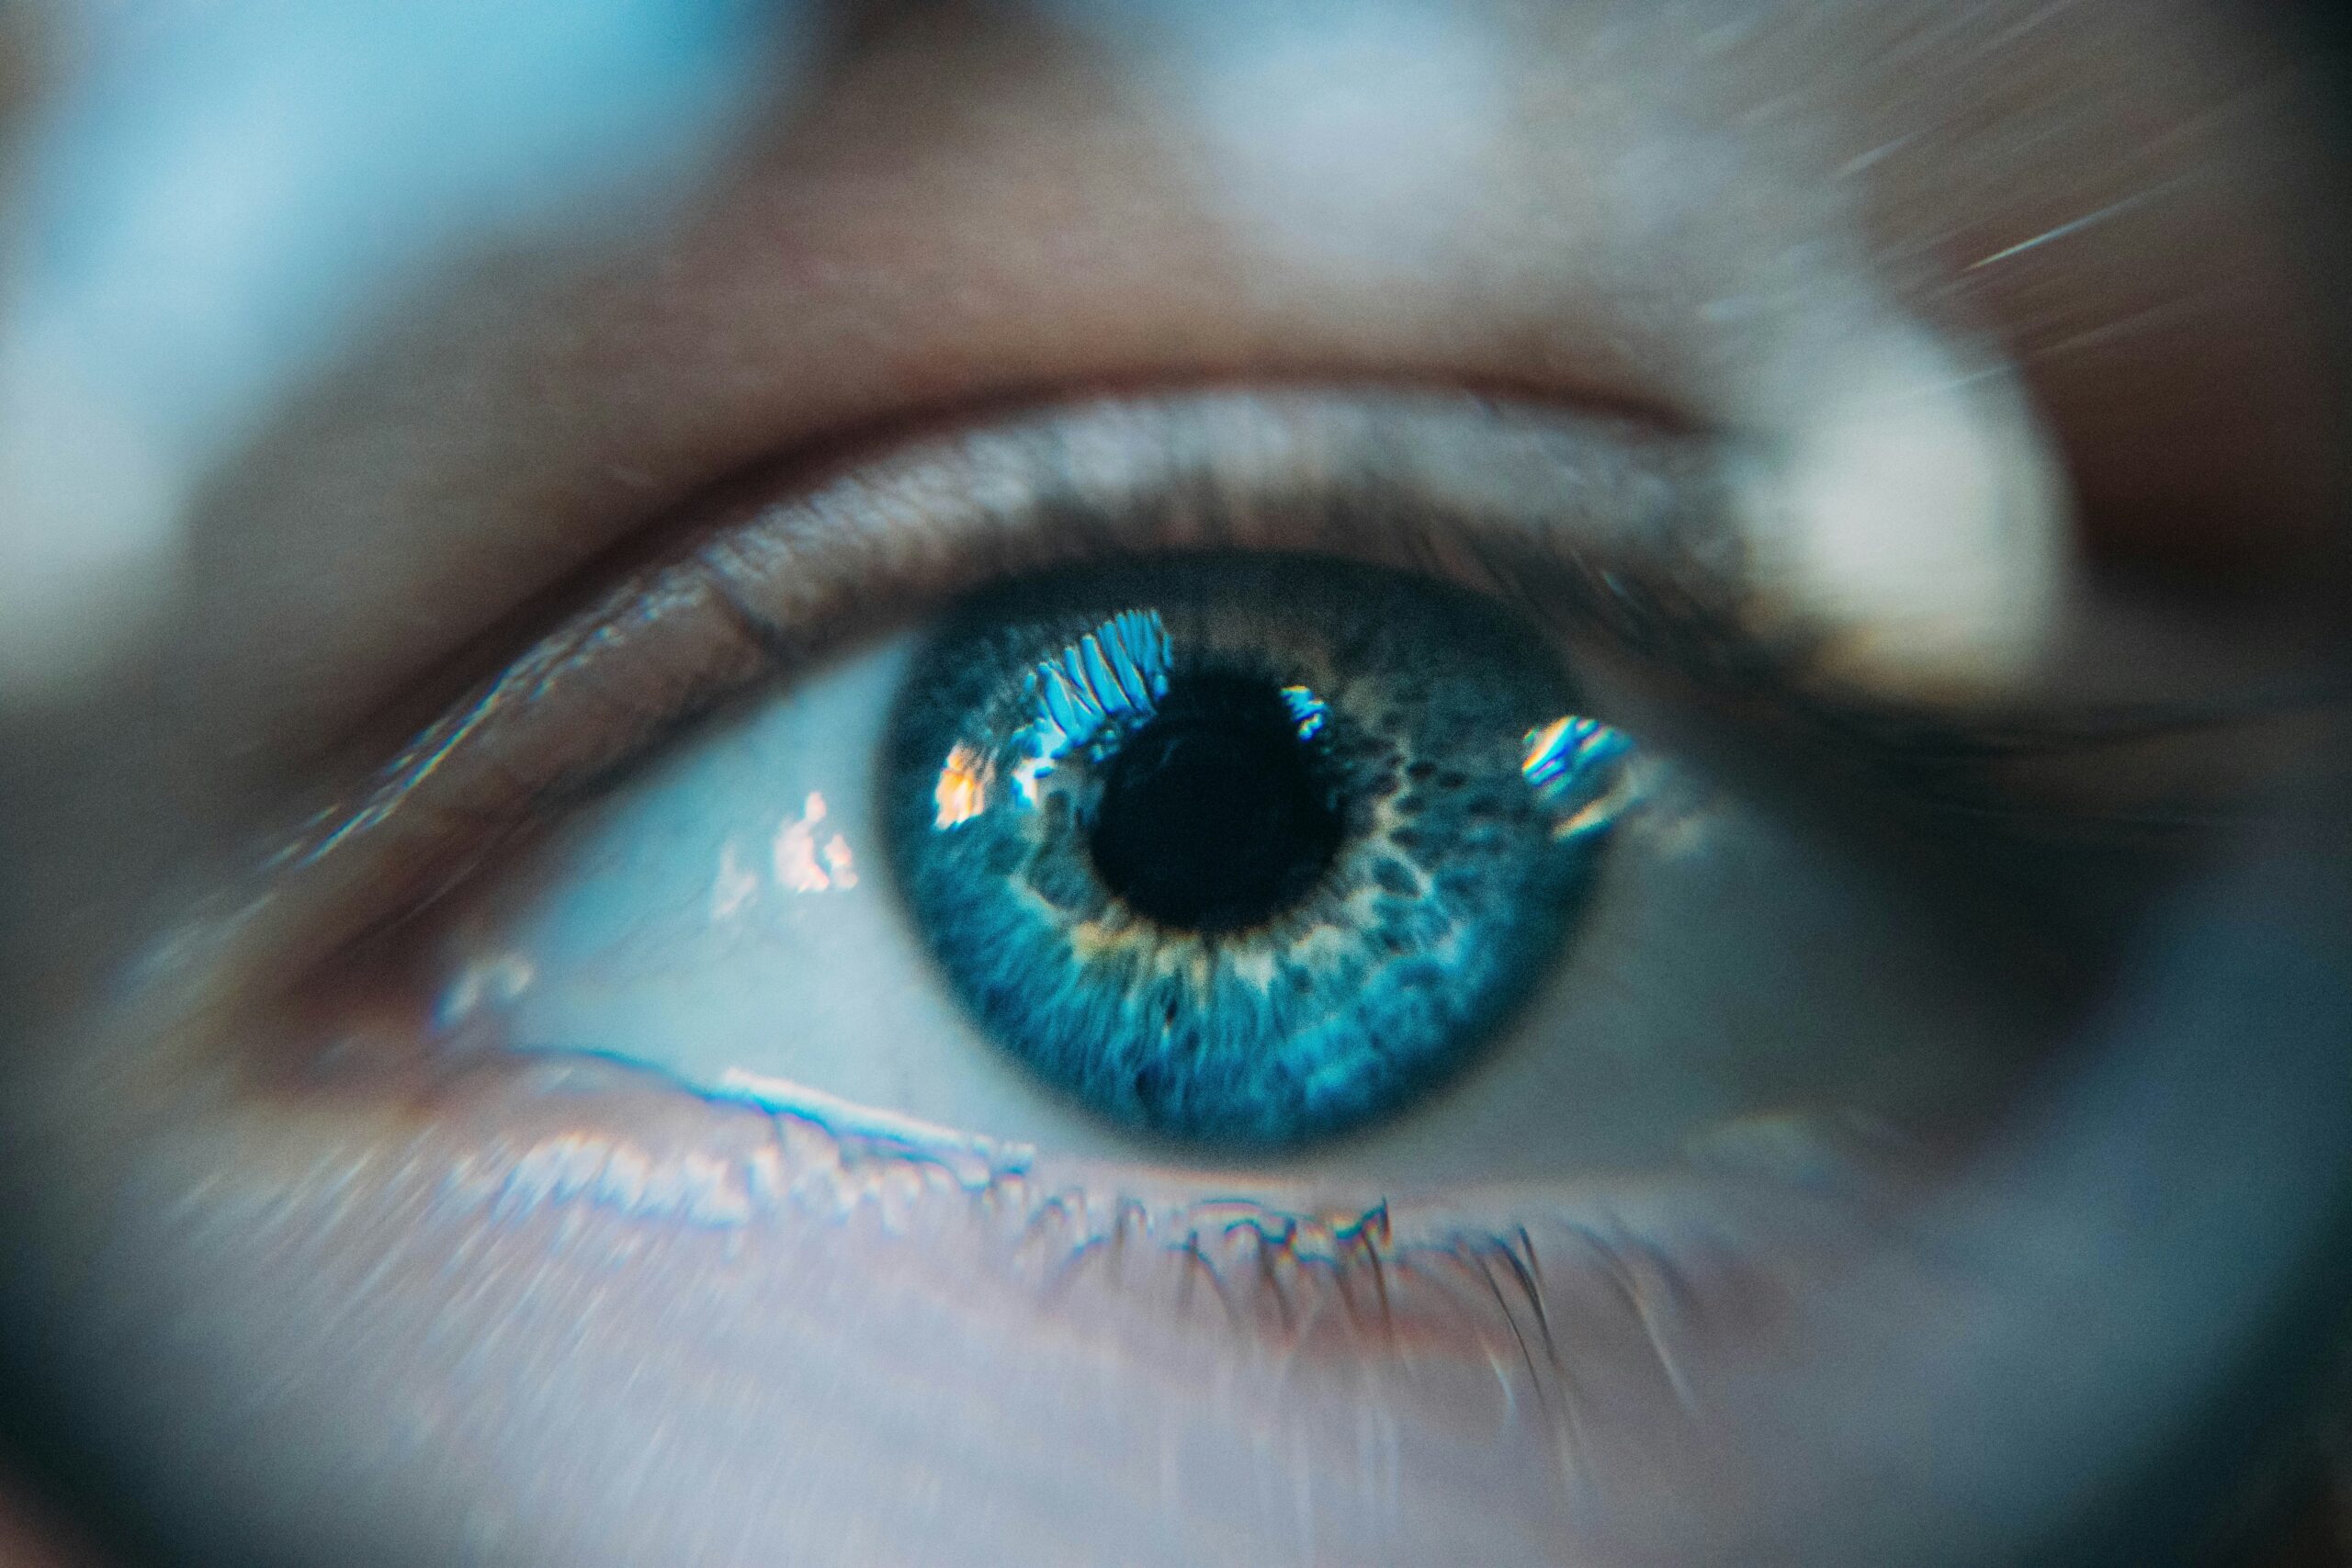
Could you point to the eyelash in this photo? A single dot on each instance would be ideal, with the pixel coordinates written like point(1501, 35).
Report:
point(1323, 1276)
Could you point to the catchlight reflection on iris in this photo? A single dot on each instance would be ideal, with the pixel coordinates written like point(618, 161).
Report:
point(1284, 840)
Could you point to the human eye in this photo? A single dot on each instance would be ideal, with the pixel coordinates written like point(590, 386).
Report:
point(1409, 906)
point(913, 870)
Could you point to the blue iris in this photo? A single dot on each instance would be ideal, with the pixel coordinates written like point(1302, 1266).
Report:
point(1243, 851)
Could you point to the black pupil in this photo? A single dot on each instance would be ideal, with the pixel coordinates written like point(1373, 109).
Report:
point(1216, 815)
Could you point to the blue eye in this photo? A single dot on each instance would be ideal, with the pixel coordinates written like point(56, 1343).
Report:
point(1242, 850)
point(1245, 805)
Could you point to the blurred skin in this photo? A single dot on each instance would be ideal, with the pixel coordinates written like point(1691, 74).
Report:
point(2129, 212)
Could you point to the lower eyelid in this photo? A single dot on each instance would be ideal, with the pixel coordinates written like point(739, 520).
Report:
point(600, 1160)
point(589, 1241)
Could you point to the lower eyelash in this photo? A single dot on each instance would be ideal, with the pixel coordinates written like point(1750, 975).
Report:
point(1535, 1294)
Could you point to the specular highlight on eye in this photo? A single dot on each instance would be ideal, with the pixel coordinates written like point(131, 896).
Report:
point(1243, 852)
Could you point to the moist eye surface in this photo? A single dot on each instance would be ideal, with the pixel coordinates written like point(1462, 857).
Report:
point(1242, 850)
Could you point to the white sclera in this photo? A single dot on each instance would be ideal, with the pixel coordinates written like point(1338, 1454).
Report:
point(731, 910)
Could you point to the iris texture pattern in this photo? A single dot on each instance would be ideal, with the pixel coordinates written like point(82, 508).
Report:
point(1244, 850)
